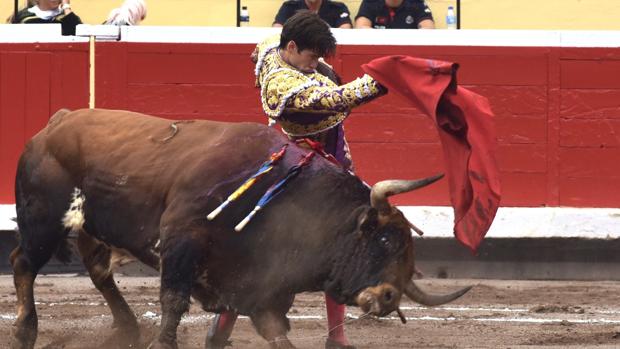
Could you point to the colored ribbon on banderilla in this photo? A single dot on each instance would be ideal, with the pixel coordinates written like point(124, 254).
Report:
point(275, 189)
point(318, 148)
point(265, 167)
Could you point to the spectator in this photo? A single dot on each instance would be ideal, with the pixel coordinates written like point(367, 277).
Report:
point(27, 3)
point(50, 11)
point(394, 14)
point(132, 12)
point(335, 13)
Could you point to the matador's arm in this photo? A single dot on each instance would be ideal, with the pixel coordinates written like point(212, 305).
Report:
point(336, 98)
point(291, 91)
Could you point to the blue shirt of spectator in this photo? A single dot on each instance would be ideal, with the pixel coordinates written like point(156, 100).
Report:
point(394, 14)
point(335, 13)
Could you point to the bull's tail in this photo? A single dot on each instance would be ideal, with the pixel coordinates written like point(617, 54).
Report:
point(64, 252)
point(17, 234)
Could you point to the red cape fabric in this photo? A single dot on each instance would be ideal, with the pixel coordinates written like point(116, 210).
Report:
point(466, 130)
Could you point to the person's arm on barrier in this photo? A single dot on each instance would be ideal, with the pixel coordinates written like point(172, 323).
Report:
point(340, 16)
point(423, 15)
point(364, 15)
point(285, 12)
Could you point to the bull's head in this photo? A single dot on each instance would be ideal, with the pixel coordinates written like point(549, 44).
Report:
point(387, 243)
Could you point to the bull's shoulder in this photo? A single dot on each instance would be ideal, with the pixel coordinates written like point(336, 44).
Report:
point(58, 116)
point(63, 116)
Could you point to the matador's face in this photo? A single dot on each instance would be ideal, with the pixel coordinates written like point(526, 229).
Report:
point(305, 60)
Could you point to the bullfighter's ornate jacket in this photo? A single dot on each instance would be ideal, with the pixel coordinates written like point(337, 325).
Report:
point(308, 104)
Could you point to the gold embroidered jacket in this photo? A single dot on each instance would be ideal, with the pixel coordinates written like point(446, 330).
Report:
point(306, 103)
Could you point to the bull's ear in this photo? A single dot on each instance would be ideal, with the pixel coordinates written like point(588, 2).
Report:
point(369, 220)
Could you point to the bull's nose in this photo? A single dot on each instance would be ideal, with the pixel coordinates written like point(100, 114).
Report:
point(379, 300)
point(389, 298)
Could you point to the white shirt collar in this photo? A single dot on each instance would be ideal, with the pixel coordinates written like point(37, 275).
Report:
point(44, 14)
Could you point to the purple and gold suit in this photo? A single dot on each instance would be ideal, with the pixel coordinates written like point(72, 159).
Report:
point(309, 104)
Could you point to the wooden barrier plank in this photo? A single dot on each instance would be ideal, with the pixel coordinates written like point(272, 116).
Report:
point(376, 161)
point(510, 100)
point(524, 189)
point(522, 158)
point(597, 133)
point(515, 70)
point(590, 103)
point(111, 75)
point(13, 100)
point(74, 77)
point(38, 86)
point(390, 128)
point(35, 81)
point(593, 73)
point(184, 68)
point(196, 98)
point(553, 129)
point(521, 129)
point(229, 117)
point(590, 162)
point(577, 53)
point(589, 192)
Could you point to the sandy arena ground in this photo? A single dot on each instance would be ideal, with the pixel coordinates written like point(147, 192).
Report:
point(495, 314)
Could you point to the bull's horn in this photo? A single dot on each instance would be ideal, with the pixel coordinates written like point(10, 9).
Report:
point(417, 295)
point(381, 190)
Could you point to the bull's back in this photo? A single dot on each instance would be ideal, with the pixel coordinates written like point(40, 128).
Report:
point(127, 142)
point(91, 129)
point(129, 166)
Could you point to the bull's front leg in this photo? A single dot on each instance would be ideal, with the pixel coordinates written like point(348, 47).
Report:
point(273, 326)
point(179, 261)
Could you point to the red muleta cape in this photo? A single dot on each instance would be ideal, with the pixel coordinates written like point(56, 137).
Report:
point(466, 130)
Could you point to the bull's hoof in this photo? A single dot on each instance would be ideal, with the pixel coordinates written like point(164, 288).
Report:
point(18, 344)
point(159, 345)
point(281, 344)
point(332, 344)
point(122, 338)
point(23, 338)
point(15, 344)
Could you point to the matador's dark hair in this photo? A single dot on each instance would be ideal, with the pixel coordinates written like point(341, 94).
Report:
point(308, 31)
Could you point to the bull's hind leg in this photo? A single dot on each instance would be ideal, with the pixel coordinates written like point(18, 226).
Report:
point(180, 259)
point(42, 195)
point(96, 257)
point(25, 327)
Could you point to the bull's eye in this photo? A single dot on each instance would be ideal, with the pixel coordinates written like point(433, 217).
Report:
point(385, 241)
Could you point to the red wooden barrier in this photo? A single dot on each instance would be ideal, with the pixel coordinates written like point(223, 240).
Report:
point(556, 109)
point(35, 81)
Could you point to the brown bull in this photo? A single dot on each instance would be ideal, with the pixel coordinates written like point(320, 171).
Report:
point(140, 186)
